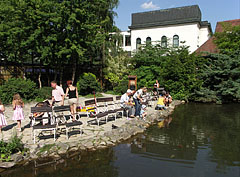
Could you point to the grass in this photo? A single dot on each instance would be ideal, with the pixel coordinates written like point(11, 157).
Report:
point(111, 92)
point(92, 96)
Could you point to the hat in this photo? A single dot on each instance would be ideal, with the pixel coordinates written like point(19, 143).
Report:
point(144, 106)
point(129, 91)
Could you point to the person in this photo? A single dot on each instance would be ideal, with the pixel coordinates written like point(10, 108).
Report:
point(127, 104)
point(18, 114)
point(57, 94)
point(157, 84)
point(3, 121)
point(143, 112)
point(168, 99)
point(137, 97)
point(73, 98)
point(161, 103)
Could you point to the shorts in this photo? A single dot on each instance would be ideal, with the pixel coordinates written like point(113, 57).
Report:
point(72, 101)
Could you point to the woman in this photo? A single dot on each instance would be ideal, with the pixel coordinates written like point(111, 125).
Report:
point(73, 98)
point(157, 84)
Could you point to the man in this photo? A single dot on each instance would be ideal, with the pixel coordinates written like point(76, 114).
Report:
point(126, 104)
point(137, 97)
point(57, 94)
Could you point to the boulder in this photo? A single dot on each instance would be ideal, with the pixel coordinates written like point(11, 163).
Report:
point(7, 164)
point(17, 157)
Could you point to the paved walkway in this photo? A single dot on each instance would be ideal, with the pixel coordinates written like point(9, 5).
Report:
point(89, 131)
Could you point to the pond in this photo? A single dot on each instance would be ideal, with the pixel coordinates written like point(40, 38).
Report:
point(203, 140)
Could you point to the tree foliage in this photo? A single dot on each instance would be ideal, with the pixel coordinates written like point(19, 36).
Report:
point(88, 83)
point(56, 33)
point(221, 72)
point(174, 68)
point(26, 89)
point(228, 41)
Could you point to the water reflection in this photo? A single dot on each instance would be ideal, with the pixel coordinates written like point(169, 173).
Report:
point(209, 134)
point(201, 141)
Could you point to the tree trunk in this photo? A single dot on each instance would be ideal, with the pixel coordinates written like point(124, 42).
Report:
point(39, 79)
point(55, 74)
point(48, 77)
point(74, 70)
point(103, 61)
point(61, 76)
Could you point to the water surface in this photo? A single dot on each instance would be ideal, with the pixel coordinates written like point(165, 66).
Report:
point(203, 140)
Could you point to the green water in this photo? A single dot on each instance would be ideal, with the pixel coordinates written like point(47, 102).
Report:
point(203, 140)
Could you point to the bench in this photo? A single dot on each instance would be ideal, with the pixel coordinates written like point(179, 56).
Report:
point(51, 126)
point(62, 118)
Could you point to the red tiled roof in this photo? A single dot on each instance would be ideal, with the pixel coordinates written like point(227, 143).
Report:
point(209, 45)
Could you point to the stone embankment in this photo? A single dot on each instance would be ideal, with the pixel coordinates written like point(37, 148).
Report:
point(93, 138)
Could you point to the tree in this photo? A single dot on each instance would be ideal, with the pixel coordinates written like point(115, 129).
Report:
point(228, 41)
point(55, 33)
point(221, 72)
point(174, 68)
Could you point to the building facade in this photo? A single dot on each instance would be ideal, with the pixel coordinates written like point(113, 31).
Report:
point(168, 27)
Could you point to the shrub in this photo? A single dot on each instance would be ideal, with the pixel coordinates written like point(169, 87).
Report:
point(13, 146)
point(26, 88)
point(43, 93)
point(122, 86)
point(88, 83)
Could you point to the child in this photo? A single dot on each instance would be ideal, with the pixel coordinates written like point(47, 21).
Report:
point(161, 103)
point(3, 121)
point(143, 112)
point(18, 110)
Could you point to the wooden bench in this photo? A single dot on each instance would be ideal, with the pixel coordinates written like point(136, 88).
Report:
point(51, 126)
point(62, 118)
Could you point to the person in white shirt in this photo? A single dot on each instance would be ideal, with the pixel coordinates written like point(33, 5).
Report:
point(137, 97)
point(126, 104)
point(57, 94)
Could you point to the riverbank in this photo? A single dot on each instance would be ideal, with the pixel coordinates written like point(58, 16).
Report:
point(93, 138)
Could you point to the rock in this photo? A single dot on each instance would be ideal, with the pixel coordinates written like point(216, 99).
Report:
point(63, 148)
point(7, 164)
point(89, 145)
point(17, 157)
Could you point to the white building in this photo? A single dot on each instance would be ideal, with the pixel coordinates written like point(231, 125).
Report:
point(167, 27)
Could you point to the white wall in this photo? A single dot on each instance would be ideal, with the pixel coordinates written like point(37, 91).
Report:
point(126, 48)
point(190, 33)
point(204, 35)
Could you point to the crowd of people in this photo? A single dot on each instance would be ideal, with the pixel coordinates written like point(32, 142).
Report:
point(135, 105)
point(131, 101)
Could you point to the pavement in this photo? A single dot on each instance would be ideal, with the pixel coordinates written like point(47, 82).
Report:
point(88, 130)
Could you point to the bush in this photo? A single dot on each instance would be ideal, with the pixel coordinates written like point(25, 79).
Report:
point(13, 146)
point(122, 86)
point(88, 83)
point(26, 88)
point(43, 94)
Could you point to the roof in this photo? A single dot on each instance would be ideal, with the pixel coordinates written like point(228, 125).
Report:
point(172, 16)
point(209, 45)
point(219, 27)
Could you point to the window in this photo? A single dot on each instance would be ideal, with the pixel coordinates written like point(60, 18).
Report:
point(148, 40)
point(127, 40)
point(175, 41)
point(138, 42)
point(164, 41)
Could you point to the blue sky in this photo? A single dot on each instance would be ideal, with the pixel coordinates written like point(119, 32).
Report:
point(212, 10)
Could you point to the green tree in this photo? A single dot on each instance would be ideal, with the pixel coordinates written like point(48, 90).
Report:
point(228, 41)
point(221, 78)
point(174, 68)
point(56, 33)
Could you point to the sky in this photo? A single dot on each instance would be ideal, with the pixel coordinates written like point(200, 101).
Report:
point(212, 10)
